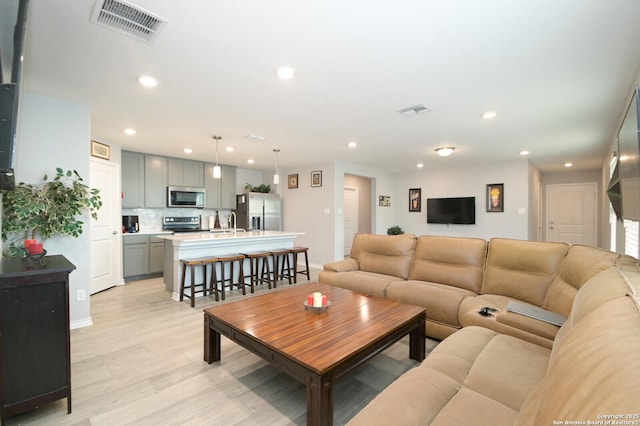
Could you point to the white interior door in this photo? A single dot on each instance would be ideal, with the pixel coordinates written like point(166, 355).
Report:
point(571, 213)
point(350, 217)
point(105, 235)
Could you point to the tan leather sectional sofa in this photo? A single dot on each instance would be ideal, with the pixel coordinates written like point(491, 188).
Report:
point(506, 368)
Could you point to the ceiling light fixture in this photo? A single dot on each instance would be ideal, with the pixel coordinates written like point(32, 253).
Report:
point(130, 131)
point(187, 150)
point(489, 115)
point(148, 81)
point(286, 73)
point(229, 149)
point(525, 152)
point(413, 110)
point(445, 151)
point(250, 161)
point(419, 165)
point(276, 177)
point(253, 137)
point(217, 171)
point(352, 144)
point(568, 164)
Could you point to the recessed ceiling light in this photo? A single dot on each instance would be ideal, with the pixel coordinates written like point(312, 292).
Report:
point(188, 151)
point(444, 151)
point(525, 152)
point(568, 164)
point(229, 149)
point(130, 131)
point(148, 81)
point(250, 161)
point(286, 73)
point(489, 115)
point(419, 165)
point(352, 144)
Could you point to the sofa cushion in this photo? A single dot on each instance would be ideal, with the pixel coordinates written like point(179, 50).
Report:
point(522, 270)
point(367, 283)
point(442, 301)
point(384, 254)
point(580, 264)
point(453, 261)
point(476, 376)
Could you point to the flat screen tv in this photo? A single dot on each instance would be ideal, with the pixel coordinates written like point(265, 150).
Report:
point(629, 159)
point(457, 211)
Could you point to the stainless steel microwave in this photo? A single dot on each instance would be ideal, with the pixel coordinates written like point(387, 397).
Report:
point(186, 196)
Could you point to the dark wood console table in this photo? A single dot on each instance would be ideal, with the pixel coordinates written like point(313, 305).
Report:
point(35, 365)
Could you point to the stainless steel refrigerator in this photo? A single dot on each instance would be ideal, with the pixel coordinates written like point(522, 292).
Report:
point(257, 211)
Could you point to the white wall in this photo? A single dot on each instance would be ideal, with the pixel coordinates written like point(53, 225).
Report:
point(468, 181)
point(52, 134)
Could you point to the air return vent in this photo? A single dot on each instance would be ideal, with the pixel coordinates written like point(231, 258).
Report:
point(413, 110)
point(128, 18)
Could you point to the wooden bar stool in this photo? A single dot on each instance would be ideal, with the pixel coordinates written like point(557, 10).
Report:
point(258, 271)
point(191, 265)
point(223, 260)
point(281, 265)
point(295, 251)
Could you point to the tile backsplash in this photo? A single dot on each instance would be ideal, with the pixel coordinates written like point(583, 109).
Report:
point(150, 220)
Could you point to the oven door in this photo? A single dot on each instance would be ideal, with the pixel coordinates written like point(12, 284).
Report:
point(183, 196)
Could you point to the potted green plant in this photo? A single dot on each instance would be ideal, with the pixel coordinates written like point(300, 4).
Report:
point(48, 208)
point(395, 230)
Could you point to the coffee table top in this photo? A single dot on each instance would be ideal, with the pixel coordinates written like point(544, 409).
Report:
point(318, 340)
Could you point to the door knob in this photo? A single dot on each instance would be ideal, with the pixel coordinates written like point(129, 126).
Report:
point(115, 232)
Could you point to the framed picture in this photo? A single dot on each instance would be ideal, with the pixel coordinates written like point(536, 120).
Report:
point(384, 201)
point(495, 197)
point(316, 178)
point(100, 150)
point(293, 181)
point(415, 199)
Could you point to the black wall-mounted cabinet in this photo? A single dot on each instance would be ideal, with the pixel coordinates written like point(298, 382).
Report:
point(35, 365)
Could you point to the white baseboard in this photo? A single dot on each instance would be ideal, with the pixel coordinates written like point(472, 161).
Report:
point(85, 322)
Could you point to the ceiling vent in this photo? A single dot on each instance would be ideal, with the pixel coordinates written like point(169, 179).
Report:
point(413, 110)
point(128, 18)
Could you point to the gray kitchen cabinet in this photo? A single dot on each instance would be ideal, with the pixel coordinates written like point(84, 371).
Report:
point(156, 254)
point(221, 193)
point(155, 182)
point(132, 180)
point(143, 255)
point(186, 172)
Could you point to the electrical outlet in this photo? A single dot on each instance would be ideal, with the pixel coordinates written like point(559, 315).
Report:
point(81, 295)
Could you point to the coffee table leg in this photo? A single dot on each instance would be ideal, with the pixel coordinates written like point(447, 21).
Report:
point(417, 343)
point(211, 343)
point(319, 400)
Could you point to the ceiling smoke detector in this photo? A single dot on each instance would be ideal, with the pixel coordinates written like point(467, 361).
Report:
point(128, 18)
point(413, 110)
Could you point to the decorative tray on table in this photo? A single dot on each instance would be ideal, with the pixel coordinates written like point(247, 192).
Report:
point(317, 309)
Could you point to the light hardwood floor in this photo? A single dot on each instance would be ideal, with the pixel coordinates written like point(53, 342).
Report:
point(141, 363)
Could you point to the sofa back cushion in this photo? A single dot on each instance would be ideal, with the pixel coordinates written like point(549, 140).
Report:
point(453, 261)
point(580, 264)
point(522, 270)
point(384, 254)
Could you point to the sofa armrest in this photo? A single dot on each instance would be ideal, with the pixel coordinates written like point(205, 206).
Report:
point(349, 264)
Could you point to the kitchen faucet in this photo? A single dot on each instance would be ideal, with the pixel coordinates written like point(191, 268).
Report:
point(232, 216)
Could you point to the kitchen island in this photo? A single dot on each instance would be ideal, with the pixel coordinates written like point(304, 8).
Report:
point(195, 245)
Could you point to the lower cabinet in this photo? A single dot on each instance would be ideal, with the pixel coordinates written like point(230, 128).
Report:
point(142, 255)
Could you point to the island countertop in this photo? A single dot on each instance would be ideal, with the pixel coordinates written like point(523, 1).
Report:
point(199, 244)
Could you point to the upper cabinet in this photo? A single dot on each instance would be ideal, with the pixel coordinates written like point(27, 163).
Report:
point(132, 180)
point(155, 182)
point(186, 173)
point(221, 193)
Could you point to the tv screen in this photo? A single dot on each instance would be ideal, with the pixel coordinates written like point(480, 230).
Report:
point(629, 160)
point(458, 211)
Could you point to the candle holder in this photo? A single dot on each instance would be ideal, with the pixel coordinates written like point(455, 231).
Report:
point(31, 258)
point(317, 309)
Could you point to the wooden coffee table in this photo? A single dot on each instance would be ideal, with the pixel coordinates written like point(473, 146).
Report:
point(317, 349)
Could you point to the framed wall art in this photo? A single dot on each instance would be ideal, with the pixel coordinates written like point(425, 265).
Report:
point(293, 181)
point(415, 199)
point(316, 178)
point(100, 150)
point(495, 197)
point(384, 201)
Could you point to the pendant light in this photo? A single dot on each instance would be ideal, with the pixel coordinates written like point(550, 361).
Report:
point(217, 171)
point(276, 177)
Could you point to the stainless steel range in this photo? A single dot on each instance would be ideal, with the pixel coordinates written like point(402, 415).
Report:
point(182, 224)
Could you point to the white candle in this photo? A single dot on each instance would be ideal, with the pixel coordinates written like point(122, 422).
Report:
point(317, 299)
